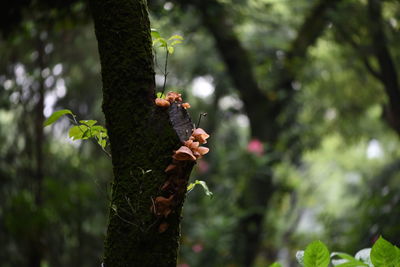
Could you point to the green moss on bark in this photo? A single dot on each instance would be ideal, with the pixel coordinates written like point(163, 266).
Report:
point(141, 137)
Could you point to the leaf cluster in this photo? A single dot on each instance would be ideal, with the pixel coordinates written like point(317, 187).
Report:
point(83, 129)
point(169, 44)
point(382, 254)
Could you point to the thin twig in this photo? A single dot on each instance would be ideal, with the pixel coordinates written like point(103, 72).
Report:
point(201, 115)
point(165, 70)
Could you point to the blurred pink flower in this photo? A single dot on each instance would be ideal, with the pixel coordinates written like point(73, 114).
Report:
point(197, 248)
point(183, 265)
point(255, 147)
point(203, 166)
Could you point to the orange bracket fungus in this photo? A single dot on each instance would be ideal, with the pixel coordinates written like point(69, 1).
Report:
point(182, 160)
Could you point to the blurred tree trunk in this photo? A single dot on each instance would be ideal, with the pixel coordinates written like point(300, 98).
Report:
point(141, 136)
point(263, 111)
point(36, 252)
point(387, 73)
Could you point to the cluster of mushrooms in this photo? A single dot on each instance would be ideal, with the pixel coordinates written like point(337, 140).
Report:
point(174, 188)
point(170, 98)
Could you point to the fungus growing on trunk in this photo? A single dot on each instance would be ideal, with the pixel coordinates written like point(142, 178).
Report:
point(162, 102)
point(184, 153)
point(200, 135)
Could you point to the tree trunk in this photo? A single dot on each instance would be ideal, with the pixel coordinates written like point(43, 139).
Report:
point(141, 136)
point(387, 68)
point(36, 250)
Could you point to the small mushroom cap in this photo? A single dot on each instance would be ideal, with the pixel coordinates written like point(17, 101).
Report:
point(165, 185)
point(163, 227)
point(162, 102)
point(188, 142)
point(194, 145)
point(174, 96)
point(186, 105)
point(170, 168)
point(197, 154)
point(200, 135)
point(203, 150)
point(184, 153)
point(163, 205)
point(191, 144)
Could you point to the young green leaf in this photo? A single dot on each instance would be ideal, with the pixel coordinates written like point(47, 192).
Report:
point(384, 254)
point(89, 123)
point(56, 115)
point(316, 255)
point(103, 143)
point(155, 34)
point(160, 40)
point(275, 264)
point(203, 184)
point(175, 42)
point(175, 37)
point(346, 260)
point(171, 49)
point(352, 264)
point(77, 132)
point(160, 95)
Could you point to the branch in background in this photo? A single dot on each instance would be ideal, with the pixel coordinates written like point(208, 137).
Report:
point(359, 50)
point(387, 67)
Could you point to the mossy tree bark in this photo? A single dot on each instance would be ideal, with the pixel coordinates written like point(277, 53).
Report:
point(141, 136)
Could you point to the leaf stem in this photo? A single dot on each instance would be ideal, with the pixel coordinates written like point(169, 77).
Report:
point(165, 70)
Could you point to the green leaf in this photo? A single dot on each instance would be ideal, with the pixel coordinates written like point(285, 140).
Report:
point(364, 256)
point(346, 260)
point(384, 254)
point(316, 255)
point(171, 49)
point(175, 36)
point(275, 264)
point(352, 264)
point(203, 184)
point(162, 42)
point(175, 42)
point(160, 95)
point(87, 134)
point(77, 132)
point(88, 123)
point(103, 143)
point(155, 34)
point(99, 129)
point(56, 115)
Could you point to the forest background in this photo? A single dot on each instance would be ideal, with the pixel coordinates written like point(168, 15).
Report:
point(303, 104)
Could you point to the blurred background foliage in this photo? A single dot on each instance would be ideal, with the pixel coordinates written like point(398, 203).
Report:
point(302, 109)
